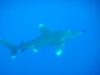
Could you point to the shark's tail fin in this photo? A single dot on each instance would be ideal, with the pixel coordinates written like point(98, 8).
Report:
point(11, 47)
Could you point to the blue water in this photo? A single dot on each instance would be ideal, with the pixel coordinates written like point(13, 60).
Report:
point(19, 21)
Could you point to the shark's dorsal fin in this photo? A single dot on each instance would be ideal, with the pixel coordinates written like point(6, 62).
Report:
point(44, 29)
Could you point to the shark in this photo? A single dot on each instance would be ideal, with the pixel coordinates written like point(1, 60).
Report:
point(48, 37)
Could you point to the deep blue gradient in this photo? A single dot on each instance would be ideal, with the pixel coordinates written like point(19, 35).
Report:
point(19, 22)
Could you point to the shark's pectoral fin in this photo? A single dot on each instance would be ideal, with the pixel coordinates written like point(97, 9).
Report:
point(59, 52)
point(35, 50)
point(44, 29)
point(60, 47)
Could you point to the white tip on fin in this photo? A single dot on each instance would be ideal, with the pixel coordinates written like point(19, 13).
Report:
point(13, 57)
point(35, 50)
point(59, 52)
point(41, 25)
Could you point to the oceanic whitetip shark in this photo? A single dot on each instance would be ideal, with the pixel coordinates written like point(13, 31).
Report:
point(47, 37)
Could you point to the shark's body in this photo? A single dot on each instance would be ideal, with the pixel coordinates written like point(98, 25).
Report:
point(46, 38)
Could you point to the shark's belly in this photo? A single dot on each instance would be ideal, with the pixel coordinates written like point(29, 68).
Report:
point(43, 43)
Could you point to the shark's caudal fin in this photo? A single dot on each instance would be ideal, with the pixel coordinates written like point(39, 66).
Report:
point(11, 47)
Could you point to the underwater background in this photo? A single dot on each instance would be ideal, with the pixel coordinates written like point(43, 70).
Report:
point(19, 21)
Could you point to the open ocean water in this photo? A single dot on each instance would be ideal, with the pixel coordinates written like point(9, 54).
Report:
point(19, 21)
